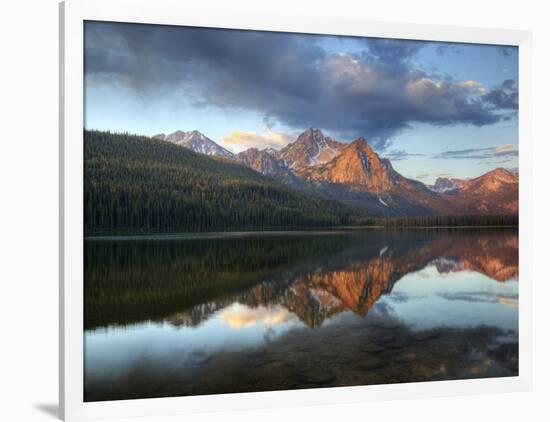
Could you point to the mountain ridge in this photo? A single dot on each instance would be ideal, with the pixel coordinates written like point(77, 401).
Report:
point(496, 191)
point(310, 148)
point(354, 174)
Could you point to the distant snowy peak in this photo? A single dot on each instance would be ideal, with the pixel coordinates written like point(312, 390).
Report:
point(197, 142)
point(446, 185)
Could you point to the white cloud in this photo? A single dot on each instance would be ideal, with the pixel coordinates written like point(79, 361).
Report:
point(240, 140)
point(506, 148)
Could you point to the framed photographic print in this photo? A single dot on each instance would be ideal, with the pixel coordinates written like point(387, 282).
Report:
point(269, 210)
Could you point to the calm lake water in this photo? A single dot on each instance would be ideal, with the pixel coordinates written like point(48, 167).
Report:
point(239, 312)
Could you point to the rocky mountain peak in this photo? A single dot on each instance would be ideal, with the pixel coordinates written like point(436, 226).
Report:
point(197, 142)
point(310, 148)
point(503, 174)
point(494, 181)
point(263, 161)
point(314, 134)
point(357, 165)
point(446, 185)
point(361, 144)
point(493, 192)
point(176, 136)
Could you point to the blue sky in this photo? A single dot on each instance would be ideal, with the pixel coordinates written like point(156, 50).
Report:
point(434, 109)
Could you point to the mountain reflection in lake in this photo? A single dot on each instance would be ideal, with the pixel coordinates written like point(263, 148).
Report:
point(175, 316)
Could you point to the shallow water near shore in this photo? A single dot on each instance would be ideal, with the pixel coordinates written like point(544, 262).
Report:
point(249, 312)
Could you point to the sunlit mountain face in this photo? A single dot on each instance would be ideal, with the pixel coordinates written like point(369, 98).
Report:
point(305, 310)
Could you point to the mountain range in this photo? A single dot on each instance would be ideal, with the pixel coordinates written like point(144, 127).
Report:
point(354, 174)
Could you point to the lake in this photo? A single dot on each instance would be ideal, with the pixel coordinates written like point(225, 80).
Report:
point(240, 312)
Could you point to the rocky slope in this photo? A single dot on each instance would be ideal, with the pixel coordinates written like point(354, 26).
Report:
point(358, 175)
point(495, 192)
point(309, 149)
point(266, 163)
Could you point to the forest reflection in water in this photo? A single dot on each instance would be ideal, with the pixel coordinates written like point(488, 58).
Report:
point(172, 316)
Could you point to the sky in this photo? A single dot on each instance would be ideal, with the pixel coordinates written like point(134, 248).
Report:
point(434, 109)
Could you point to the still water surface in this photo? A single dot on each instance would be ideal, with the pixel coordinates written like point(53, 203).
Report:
point(186, 315)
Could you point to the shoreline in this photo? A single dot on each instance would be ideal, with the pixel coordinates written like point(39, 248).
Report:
point(247, 233)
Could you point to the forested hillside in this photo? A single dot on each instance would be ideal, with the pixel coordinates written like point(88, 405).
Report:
point(138, 184)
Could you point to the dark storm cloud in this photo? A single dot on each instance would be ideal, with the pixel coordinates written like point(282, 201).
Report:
point(480, 153)
point(288, 78)
point(504, 97)
point(393, 51)
point(152, 57)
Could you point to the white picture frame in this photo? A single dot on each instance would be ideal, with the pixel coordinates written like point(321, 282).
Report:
point(73, 13)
